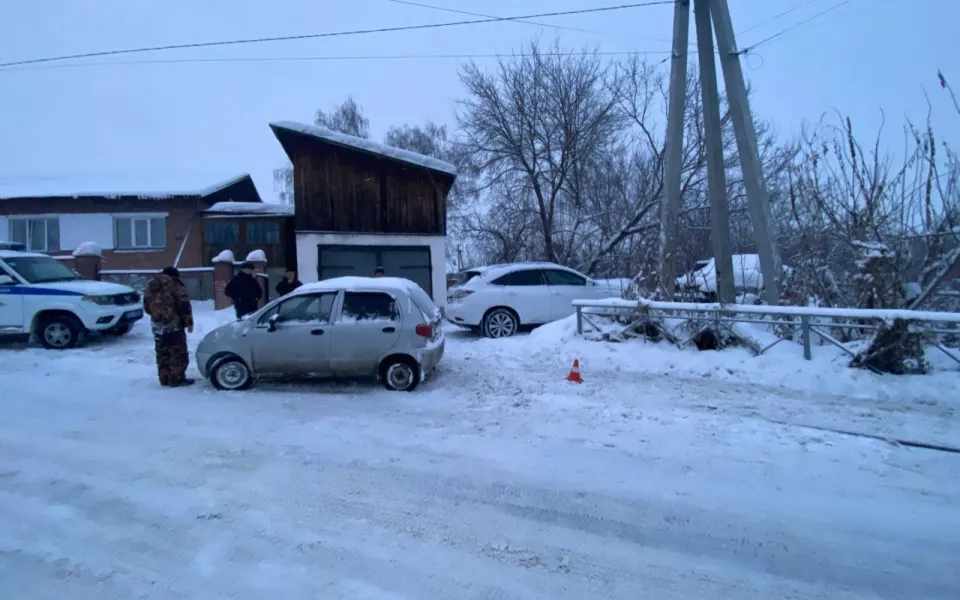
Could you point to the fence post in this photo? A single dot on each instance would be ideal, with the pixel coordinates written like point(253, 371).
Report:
point(805, 334)
point(579, 320)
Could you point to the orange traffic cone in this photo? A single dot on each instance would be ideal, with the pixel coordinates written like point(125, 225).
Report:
point(574, 375)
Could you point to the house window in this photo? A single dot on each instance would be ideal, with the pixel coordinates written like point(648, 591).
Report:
point(263, 232)
point(37, 234)
point(140, 233)
point(222, 232)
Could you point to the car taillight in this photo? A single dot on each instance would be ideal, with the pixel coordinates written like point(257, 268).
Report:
point(460, 294)
point(425, 330)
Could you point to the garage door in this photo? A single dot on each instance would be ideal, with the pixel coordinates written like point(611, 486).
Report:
point(410, 262)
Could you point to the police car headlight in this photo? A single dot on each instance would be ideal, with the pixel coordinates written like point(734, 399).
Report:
point(101, 300)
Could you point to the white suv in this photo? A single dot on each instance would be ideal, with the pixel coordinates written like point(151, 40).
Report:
point(40, 295)
point(498, 300)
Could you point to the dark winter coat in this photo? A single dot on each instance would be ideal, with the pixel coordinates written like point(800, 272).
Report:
point(285, 287)
point(245, 291)
point(168, 304)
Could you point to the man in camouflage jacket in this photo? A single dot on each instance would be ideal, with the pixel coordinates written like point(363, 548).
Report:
point(167, 303)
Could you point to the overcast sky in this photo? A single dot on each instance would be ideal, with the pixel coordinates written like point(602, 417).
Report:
point(188, 120)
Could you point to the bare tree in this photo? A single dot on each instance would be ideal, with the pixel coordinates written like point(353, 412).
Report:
point(531, 122)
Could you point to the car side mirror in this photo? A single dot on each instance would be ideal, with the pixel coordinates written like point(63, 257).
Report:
point(7, 280)
point(272, 322)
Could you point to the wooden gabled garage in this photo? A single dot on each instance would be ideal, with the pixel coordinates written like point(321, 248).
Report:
point(360, 205)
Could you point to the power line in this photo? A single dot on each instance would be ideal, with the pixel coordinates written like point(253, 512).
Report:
point(329, 34)
point(277, 59)
point(794, 26)
point(561, 27)
point(777, 16)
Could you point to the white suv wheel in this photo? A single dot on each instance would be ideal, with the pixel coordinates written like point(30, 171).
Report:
point(500, 323)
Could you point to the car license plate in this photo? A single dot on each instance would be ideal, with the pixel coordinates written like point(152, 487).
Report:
point(133, 314)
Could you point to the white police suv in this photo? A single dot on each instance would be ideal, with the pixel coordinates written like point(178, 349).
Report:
point(41, 296)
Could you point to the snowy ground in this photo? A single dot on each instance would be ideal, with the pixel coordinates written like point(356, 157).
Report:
point(666, 475)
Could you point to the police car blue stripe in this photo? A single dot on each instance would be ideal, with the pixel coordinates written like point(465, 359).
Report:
point(23, 290)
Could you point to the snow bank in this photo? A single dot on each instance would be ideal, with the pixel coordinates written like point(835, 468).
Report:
point(224, 257)
point(370, 146)
point(783, 366)
point(88, 249)
point(257, 256)
point(259, 208)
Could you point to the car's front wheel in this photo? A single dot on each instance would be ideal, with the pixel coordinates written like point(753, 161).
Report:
point(500, 323)
point(400, 374)
point(60, 332)
point(231, 374)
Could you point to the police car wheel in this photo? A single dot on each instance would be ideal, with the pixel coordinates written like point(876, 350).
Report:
point(59, 332)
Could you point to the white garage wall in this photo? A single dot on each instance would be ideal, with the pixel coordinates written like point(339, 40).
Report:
point(76, 229)
point(307, 254)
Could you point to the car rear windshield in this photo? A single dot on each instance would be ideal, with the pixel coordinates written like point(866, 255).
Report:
point(423, 302)
point(41, 269)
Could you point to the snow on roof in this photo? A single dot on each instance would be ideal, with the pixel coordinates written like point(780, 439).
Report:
point(263, 208)
point(153, 186)
point(359, 283)
point(256, 256)
point(213, 189)
point(342, 139)
point(17, 253)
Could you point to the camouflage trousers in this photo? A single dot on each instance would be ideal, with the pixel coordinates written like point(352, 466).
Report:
point(172, 356)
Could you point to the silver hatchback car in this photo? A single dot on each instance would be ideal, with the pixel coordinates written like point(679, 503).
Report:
point(382, 327)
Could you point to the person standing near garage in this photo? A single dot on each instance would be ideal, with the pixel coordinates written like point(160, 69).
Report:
point(245, 291)
point(288, 283)
point(171, 318)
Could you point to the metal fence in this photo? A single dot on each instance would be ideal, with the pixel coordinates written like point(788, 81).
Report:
point(937, 327)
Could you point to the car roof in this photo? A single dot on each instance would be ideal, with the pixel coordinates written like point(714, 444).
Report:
point(493, 271)
point(17, 253)
point(365, 284)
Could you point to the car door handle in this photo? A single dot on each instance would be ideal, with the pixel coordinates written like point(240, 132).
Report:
point(389, 329)
point(316, 332)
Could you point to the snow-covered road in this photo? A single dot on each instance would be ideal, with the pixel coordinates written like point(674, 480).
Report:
point(496, 480)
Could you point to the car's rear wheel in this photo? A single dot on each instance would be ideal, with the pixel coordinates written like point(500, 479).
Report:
point(400, 374)
point(231, 374)
point(500, 323)
point(60, 332)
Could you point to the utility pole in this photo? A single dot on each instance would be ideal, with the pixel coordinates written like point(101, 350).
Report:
point(746, 134)
point(673, 151)
point(716, 175)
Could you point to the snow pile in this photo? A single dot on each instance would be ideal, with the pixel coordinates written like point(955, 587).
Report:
point(355, 143)
point(252, 208)
point(88, 249)
point(257, 256)
point(224, 257)
point(783, 366)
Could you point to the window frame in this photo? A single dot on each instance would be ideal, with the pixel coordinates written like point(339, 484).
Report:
point(578, 277)
point(397, 316)
point(133, 219)
point(504, 280)
point(264, 229)
point(27, 231)
point(221, 223)
point(264, 320)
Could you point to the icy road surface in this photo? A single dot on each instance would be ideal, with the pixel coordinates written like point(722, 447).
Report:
point(497, 480)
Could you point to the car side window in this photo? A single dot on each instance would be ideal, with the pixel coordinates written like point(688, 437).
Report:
point(558, 277)
point(526, 277)
point(369, 306)
point(305, 308)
